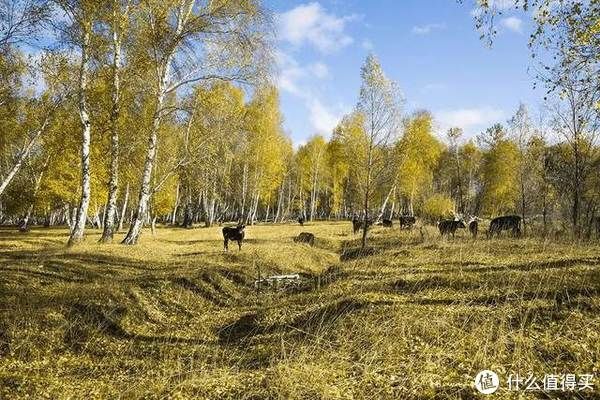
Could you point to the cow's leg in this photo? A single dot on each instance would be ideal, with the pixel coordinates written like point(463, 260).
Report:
point(225, 244)
point(239, 245)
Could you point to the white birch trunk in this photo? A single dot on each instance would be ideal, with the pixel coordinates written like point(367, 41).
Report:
point(79, 225)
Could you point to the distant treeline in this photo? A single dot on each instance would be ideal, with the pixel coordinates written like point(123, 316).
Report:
point(129, 127)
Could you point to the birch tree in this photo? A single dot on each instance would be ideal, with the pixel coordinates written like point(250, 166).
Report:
point(118, 20)
point(81, 16)
point(379, 103)
point(189, 41)
point(521, 129)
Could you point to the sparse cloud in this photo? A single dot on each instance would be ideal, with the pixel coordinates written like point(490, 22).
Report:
point(292, 76)
point(469, 119)
point(427, 29)
point(322, 119)
point(319, 70)
point(514, 24)
point(311, 23)
point(300, 81)
point(367, 45)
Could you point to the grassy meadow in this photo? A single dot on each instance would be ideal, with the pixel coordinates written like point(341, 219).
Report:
point(175, 317)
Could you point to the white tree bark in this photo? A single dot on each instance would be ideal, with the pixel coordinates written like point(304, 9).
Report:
point(79, 226)
point(163, 70)
point(113, 184)
point(23, 155)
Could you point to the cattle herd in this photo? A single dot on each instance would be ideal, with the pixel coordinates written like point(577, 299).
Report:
point(447, 227)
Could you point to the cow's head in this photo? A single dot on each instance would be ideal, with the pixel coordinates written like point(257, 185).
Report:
point(241, 227)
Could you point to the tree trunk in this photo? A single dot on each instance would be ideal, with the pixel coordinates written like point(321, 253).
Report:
point(113, 183)
point(23, 156)
point(135, 229)
point(163, 70)
point(365, 221)
point(25, 222)
point(174, 213)
point(382, 211)
point(124, 209)
point(79, 225)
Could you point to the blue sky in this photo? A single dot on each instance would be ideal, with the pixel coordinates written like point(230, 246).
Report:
point(429, 47)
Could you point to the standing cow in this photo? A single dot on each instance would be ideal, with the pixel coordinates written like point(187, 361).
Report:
point(357, 224)
point(474, 227)
point(407, 221)
point(449, 226)
point(505, 223)
point(234, 233)
point(301, 220)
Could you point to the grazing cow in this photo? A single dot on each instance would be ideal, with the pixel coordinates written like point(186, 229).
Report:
point(449, 226)
point(234, 233)
point(305, 237)
point(357, 224)
point(407, 221)
point(505, 223)
point(473, 227)
point(301, 221)
point(388, 223)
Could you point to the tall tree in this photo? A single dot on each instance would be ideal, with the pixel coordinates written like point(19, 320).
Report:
point(187, 43)
point(82, 16)
point(379, 103)
point(521, 129)
point(500, 161)
point(118, 20)
point(454, 135)
point(419, 152)
point(577, 120)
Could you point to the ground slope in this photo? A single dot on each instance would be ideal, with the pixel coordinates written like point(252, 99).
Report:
point(176, 317)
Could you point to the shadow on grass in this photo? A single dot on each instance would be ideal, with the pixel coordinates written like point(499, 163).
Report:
point(351, 254)
point(90, 317)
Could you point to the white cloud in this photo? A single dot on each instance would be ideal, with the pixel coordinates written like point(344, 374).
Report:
point(289, 73)
point(302, 82)
point(427, 29)
point(367, 45)
point(512, 23)
point(293, 77)
point(322, 118)
point(310, 23)
point(469, 119)
point(319, 70)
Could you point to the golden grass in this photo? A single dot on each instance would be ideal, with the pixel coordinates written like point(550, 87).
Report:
point(176, 317)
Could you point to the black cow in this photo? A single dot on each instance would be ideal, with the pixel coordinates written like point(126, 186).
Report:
point(449, 226)
point(305, 237)
point(473, 228)
point(407, 221)
point(388, 223)
point(357, 224)
point(234, 233)
point(505, 223)
point(301, 221)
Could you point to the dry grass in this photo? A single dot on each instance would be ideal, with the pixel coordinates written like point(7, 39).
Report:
point(176, 317)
